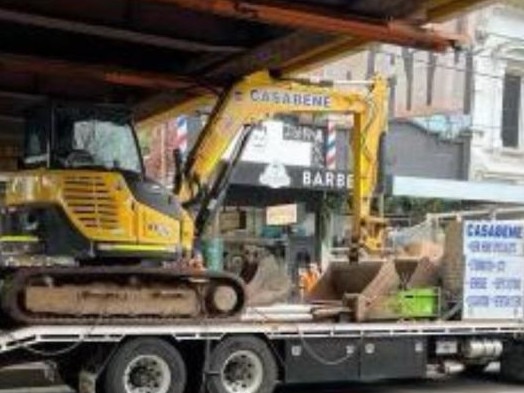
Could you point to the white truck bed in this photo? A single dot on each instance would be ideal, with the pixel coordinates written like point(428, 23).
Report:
point(26, 337)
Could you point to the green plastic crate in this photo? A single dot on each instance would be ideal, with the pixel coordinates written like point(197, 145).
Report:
point(418, 303)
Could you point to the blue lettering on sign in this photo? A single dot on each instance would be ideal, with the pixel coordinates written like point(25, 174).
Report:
point(488, 247)
point(478, 283)
point(506, 248)
point(507, 301)
point(481, 265)
point(474, 246)
point(500, 231)
point(502, 283)
point(478, 301)
point(284, 97)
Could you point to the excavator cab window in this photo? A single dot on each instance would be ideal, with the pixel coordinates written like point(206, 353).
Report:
point(36, 142)
point(91, 138)
point(82, 136)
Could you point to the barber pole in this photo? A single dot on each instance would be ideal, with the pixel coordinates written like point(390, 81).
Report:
point(177, 129)
point(175, 138)
point(331, 146)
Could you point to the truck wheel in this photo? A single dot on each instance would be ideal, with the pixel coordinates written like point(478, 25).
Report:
point(242, 365)
point(146, 365)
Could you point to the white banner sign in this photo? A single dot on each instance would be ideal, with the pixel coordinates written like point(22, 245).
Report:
point(494, 270)
point(269, 144)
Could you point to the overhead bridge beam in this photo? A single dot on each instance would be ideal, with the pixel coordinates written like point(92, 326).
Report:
point(113, 33)
point(318, 19)
point(103, 73)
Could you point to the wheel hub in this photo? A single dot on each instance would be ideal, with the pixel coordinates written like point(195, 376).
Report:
point(242, 372)
point(147, 374)
point(139, 377)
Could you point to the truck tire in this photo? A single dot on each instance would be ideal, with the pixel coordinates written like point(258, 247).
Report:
point(512, 362)
point(242, 365)
point(146, 365)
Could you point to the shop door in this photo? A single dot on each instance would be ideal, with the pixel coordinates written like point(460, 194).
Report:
point(300, 251)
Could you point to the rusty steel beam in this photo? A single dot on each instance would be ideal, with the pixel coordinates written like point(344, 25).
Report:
point(434, 11)
point(102, 73)
point(113, 33)
point(318, 19)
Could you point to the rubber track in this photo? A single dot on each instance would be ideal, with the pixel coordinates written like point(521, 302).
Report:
point(14, 292)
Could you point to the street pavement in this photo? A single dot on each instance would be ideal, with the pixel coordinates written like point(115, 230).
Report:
point(488, 383)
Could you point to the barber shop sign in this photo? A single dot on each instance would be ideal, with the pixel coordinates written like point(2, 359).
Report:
point(279, 176)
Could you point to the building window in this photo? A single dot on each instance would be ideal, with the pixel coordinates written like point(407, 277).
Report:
point(511, 103)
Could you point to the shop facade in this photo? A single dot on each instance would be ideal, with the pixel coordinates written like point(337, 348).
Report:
point(286, 162)
point(298, 194)
point(284, 167)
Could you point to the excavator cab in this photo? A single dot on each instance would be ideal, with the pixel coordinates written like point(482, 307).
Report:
point(82, 192)
point(62, 136)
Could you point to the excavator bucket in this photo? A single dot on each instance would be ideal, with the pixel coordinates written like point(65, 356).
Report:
point(357, 285)
point(418, 264)
point(343, 278)
point(364, 289)
point(270, 283)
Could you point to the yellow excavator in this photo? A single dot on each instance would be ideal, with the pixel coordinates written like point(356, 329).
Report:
point(83, 228)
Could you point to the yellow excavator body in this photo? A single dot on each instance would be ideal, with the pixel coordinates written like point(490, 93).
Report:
point(102, 210)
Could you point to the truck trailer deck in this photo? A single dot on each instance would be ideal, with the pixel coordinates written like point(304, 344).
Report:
point(249, 356)
point(27, 337)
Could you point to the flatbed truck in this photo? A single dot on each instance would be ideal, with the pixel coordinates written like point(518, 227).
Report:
point(254, 351)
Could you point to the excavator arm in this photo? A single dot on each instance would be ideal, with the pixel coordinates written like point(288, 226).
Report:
point(261, 96)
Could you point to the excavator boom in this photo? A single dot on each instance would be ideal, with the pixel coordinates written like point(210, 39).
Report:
point(262, 96)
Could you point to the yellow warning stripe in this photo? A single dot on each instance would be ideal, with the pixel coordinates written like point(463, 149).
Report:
point(19, 239)
point(134, 247)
